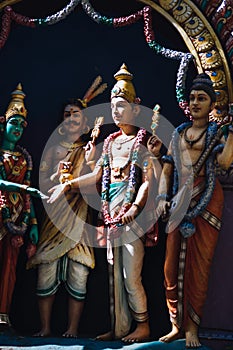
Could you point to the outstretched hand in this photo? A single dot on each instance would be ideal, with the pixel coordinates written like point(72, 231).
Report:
point(56, 192)
point(36, 193)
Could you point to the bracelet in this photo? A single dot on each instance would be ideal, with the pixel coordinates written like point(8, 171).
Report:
point(33, 221)
point(138, 206)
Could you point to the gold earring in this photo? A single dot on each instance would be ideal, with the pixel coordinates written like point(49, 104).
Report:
point(61, 131)
point(86, 129)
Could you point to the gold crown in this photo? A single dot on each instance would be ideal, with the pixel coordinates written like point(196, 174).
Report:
point(124, 87)
point(16, 106)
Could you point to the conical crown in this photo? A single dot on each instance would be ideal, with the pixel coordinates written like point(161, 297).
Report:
point(124, 86)
point(16, 105)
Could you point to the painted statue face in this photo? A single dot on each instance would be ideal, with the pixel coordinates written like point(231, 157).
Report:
point(200, 104)
point(74, 120)
point(122, 111)
point(14, 128)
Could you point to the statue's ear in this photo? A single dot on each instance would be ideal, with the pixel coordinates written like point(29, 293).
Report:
point(136, 109)
point(212, 106)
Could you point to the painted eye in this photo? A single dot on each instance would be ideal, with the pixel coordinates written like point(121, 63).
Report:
point(67, 114)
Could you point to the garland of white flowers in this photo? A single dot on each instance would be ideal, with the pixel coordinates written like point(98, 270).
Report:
point(60, 15)
point(185, 58)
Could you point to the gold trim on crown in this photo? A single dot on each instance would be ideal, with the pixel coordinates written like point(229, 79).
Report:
point(16, 106)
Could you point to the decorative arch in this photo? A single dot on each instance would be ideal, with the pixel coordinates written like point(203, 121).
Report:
point(203, 43)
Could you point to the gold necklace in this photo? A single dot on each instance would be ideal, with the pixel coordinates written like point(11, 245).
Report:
point(71, 145)
point(12, 153)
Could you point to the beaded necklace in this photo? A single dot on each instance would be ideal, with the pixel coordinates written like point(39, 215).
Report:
point(134, 178)
point(21, 228)
point(191, 142)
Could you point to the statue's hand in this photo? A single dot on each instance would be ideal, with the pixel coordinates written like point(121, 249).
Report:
point(90, 150)
point(36, 193)
point(163, 209)
point(154, 145)
point(57, 191)
point(34, 234)
point(130, 215)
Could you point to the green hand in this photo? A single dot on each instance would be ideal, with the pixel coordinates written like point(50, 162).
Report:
point(34, 234)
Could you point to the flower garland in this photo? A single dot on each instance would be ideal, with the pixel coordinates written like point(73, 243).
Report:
point(145, 13)
point(187, 228)
point(6, 213)
point(133, 182)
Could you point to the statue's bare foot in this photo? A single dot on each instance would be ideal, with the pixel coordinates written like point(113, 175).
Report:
point(42, 333)
point(70, 334)
point(141, 334)
point(192, 340)
point(191, 335)
point(175, 334)
point(105, 337)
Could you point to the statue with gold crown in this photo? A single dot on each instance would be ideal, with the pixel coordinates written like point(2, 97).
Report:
point(64, 254)
point(17, 213)
point(126, 172)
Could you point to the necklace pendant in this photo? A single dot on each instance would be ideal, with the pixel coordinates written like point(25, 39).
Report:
point(116, 172)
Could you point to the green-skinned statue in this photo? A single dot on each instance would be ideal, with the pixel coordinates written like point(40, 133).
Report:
point(17, 219)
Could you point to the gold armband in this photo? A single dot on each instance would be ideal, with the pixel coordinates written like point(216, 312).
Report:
point(33, 221)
